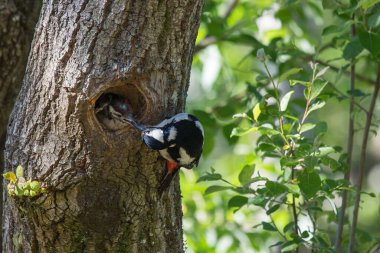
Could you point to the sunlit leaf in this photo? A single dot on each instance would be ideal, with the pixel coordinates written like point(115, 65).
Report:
point(243, 131)
point(306, 127)
point(366, 4)
point(322, 72)
point(256, 112)
point(285, 101)
point(19, 171)
point(332, 204)
point(317, 88)
point(295, 82)
point(323, 151)
point(316, 106)
point(10, 176)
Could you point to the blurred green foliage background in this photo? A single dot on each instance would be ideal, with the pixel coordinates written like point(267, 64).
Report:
point(225, 68)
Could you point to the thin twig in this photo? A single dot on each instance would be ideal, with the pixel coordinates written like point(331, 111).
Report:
point(355, 103)
point(363, 155)
point(336, 69)
point(294, 207)
point(350, 144)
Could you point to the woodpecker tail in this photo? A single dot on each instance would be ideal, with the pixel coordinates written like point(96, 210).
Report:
point(170, 170)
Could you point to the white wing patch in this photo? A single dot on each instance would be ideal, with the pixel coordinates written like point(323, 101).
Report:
point(157, 134)
point(164, 153)
point(172, 134)
point(184, 158)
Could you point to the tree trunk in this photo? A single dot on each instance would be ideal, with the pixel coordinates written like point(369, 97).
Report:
point(17, 21)
point(102, 184)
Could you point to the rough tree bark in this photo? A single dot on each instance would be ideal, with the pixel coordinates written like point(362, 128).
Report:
point(102, 194)
point(17, 21)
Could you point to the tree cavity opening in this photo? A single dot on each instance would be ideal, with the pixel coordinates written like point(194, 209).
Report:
point(126, 99)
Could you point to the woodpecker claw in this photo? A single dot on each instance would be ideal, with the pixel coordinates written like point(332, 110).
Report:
point(170, 170)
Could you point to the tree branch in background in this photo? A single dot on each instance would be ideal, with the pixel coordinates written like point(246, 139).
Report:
point(363, 155)
point(350, 144)
point(210, 39)
point(358, 76)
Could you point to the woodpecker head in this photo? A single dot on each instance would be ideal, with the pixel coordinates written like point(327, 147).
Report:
point(178, 139)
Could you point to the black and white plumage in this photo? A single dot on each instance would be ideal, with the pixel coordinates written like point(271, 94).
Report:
point(178, 139)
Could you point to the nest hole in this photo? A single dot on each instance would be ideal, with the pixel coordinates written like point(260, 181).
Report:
point(126, 99)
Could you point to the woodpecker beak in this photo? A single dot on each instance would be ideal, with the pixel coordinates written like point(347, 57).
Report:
point(170, 170)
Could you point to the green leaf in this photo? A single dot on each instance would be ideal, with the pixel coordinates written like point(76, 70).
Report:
point(260, 55)
point(241, 115)
point(309, 183)
point(290, 247)
point(256, 112)
point(258, 200)
point(246, 173)
point(322, 72)
point(268, 131)
point(10, 176)
point(366, 4)
point(317, 88)
point(35, 186)
point(306, 127)
point(324, 151)
point(268, 226)
point(273, 209)
point(374, 20)
point(316, 106)
point(370, 41)
point(216, 188)
point(288, 73)
point(266, 147)
point(330, 4)
point(237, 201)
point(19, 171)
point(294, 189)
point(331, 30)
point(210, 177)
point(285, 101)
point(331, 163)
point(242, 131)
point(352, 49)
point(275, 188)
point(294, 82)
point(289, 227)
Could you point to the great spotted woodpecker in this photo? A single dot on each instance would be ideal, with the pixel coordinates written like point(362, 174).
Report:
point(178, 139)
